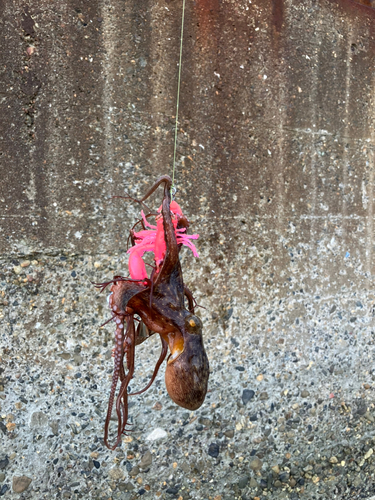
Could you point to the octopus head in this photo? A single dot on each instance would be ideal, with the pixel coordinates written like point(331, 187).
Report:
point(187, 372)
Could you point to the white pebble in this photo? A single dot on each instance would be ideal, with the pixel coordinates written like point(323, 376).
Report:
point(157, 434)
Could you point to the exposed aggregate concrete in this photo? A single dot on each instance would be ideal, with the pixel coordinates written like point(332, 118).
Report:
point(276, 423)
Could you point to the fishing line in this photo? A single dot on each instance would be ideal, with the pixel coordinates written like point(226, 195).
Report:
point(173, 188)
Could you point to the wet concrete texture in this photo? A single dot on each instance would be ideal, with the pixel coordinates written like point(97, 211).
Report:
point(275, 168)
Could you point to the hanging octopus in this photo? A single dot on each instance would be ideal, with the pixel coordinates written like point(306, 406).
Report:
point(158, 302)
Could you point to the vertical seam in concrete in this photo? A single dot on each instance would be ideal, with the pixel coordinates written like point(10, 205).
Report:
point(313, 151)
point(348, 75)
point(280, 159)
point(55, 146)
point(108, 43)
point(370, 210)
point(164, 51)
point(114, 36)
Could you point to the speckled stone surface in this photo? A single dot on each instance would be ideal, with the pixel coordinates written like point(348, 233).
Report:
point(275, 169)
point(308, 427)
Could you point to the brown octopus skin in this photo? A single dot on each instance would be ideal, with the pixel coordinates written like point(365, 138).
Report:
point(186, 376)
point(160, 303)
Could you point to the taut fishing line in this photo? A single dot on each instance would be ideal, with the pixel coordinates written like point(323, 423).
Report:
point(173, 188)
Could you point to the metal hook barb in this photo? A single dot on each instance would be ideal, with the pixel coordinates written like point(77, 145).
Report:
point(173, 192)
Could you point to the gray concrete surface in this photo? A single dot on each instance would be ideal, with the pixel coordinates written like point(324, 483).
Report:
point(275, 168)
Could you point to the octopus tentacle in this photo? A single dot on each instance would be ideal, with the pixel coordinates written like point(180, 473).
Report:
point(164, 178)
point(164, 350)
point(108, 321)
point(191, 300)
point(122, 398)
point(103, 286)
point(122, 378)
point(171, 256)
point(118, 356)
point(133, 199)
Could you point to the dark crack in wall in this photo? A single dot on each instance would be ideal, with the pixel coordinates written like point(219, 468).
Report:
point(275, 169)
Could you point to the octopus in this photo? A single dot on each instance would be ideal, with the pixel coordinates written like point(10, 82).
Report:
point(161, 304)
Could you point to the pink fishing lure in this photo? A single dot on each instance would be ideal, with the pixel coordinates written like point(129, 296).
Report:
point(152, 240)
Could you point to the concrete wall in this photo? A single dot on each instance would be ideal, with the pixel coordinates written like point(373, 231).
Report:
point(275, 168)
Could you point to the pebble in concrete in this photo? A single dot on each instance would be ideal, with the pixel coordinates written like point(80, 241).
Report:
point(214, 450)
point(247, 395)
point(21, 483)
point(146, 460)
point(242, 481)
point(116, 474)
point(3, 463)
point(256, 464)
point(38, 419)
point(157, 434)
